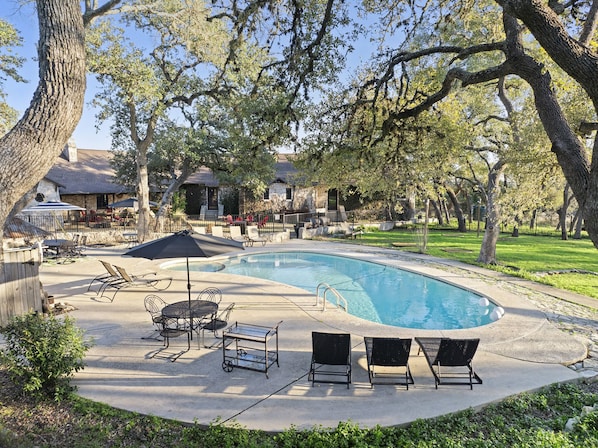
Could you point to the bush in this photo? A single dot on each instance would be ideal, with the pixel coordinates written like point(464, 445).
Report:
point(43, 352)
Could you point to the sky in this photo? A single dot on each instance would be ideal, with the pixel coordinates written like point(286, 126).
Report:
point(87, 135)
point(19, 95)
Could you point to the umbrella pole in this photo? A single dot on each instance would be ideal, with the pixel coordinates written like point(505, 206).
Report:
point(188, 283)
point(189, 294)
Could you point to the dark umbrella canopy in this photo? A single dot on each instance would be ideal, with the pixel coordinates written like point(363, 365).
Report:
point(129, 203)
point(185, 244)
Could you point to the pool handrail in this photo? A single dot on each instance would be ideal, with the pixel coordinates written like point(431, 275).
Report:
point(339, 297)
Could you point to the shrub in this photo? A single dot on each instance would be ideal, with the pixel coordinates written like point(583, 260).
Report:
point(43, 352)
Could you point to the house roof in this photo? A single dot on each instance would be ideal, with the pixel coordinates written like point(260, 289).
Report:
point(285, 170)
point(204, 176)
point(90, 173)
point(17, 228)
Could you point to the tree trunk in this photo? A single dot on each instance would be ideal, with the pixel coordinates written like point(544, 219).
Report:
point(31, 147)
point(143, 222)
point(446, 211)
point(469, 207)
point(409, 207)
point(578, 225)
point(563, 213)
point(424, 243)
point(488, 249)
point(461, 223)
point(580, 62)
point(174, 186)
point(532, 222)
point(141, 148)
point(437, 211)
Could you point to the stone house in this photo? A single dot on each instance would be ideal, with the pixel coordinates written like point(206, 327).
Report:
point(84, 177)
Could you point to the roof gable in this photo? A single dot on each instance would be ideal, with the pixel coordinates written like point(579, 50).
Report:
point(90, 174)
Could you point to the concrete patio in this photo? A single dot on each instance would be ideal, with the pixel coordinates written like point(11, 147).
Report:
point(520, 352)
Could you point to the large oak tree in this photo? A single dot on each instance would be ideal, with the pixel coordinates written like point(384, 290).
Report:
point(30, 148)
point(457, 38)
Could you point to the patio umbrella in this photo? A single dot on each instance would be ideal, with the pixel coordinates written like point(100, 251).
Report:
point(52, 207)
point(130, 203)
point(185, 244)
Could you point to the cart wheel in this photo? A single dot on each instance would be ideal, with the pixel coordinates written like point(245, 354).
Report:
point(241, 353)
point(227, 366)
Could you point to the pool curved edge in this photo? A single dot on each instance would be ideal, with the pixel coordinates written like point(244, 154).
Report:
point(523, 324)
point(367, 289)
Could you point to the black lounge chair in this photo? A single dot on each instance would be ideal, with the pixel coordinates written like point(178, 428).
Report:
point(392, 356)
point(446, 355)
point(331, 357)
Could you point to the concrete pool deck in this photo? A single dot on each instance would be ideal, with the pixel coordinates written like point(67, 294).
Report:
point(521, 352)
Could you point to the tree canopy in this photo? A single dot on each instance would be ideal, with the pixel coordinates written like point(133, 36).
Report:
point(10, 63)
point(245, 64)
point(431, 54)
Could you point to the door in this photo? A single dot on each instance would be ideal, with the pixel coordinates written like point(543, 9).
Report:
point(212, 198)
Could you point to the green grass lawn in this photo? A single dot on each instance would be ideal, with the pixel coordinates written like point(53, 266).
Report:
point(525, 256)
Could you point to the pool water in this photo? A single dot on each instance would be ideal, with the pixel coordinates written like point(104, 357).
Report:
point(373, 291)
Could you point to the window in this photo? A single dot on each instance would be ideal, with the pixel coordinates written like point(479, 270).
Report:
point(289, 196)
point(101, 201)
point(332, 199)
point(267, 194)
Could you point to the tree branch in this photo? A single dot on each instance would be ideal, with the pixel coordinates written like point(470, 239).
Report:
point(92, 12)
point(589, 27)
point(572, 56)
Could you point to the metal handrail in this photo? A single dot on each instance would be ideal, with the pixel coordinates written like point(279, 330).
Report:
point(323, 284)
point(339, 297)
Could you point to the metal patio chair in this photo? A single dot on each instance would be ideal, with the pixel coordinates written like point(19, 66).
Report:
point(450, 360)
point(331, 358)
point(391, 357)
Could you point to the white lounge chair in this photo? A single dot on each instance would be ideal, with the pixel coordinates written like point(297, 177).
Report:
point(235, 234)
point(253, 236)
point(218, 231)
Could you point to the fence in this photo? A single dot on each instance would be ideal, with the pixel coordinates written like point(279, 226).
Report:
point(104, 229)
point(20, 289)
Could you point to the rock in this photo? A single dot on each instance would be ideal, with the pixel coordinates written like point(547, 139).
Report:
point(590, 363)
point(571, 424)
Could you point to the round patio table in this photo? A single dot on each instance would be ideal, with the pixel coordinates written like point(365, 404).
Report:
point(194, 309)
point(58, 244)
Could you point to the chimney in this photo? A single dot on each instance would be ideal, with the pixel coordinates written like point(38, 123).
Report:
point(69, 152)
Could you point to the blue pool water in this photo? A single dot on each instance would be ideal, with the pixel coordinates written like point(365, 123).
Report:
point(373, 291)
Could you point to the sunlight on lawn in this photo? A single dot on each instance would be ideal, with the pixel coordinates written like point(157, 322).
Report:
point(523, 256)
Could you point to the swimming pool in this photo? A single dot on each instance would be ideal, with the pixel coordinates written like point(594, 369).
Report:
point(373, 291)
